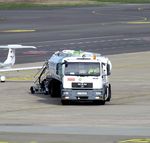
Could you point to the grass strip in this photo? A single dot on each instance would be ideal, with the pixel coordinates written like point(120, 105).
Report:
point(13, 5)
point(58, 4)
point(124, 1)
point(22, 5)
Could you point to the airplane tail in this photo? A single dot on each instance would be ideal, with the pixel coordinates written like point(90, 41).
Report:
point(10, 61)
point(10, 58)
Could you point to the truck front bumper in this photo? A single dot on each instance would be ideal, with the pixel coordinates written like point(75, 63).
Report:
point(95, 94)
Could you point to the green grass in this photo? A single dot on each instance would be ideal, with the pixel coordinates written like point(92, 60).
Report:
point(125, 1)
point(17, 5)
point(21, 6)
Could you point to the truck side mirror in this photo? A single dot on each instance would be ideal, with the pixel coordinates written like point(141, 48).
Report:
point(108, 69)
point(65, 63)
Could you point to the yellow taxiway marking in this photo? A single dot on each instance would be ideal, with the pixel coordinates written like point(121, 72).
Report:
point(13, 142)
point(18, 30)
point(20, 79)
point(139, 22)
point(142, 140)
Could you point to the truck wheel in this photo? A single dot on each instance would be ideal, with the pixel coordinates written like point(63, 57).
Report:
point(109, 93)
point(54, 88)
point(64, 102)
point(46, 93)
point(101, 102)
point(32, 89)
point(51, 89)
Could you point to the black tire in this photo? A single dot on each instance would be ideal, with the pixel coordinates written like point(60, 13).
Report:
point(102, 102)
point(54, 88)
point(99, 102)
point(32, 90)
point(64, 102)
point(51, 89)
point(46, 93)
point(109, 93)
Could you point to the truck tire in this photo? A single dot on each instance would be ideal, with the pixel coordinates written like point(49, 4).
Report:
point(109, 92)
point(32, 89)
point(64, 102)
point(51, 89)
point(54, 88)
point(102, 102)
point(46, 93)
point(99, 102)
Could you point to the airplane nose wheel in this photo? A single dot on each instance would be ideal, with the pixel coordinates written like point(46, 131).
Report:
point(2, 78)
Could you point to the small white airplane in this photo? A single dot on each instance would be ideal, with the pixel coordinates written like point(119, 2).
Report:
point(10, 61)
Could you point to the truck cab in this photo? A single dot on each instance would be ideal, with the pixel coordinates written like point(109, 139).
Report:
point(84, 79)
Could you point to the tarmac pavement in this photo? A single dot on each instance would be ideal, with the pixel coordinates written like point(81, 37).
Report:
point(125, 117)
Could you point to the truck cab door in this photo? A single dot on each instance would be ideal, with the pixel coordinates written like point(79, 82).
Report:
point(104, 72)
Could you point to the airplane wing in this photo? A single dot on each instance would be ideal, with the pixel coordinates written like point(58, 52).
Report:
point(20, 69)
point(16, 46)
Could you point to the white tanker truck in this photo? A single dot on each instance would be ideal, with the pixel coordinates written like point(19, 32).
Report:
point(75, 76)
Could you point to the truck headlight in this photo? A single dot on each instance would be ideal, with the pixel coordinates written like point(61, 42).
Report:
point(98, 93)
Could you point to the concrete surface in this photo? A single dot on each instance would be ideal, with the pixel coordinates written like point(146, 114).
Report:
point(127, 115)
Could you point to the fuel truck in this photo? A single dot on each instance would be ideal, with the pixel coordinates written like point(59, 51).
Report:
point(75, 76)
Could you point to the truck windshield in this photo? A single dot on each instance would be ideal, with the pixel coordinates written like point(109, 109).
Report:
point(82, 69)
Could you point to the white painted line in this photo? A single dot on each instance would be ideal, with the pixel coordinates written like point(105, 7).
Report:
point(80, 42)
point(101, 41)
point(75, 39)
point(110, 40)
point(90, 40)
point(72, 43)
point(87, 42)
point(95, 41)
